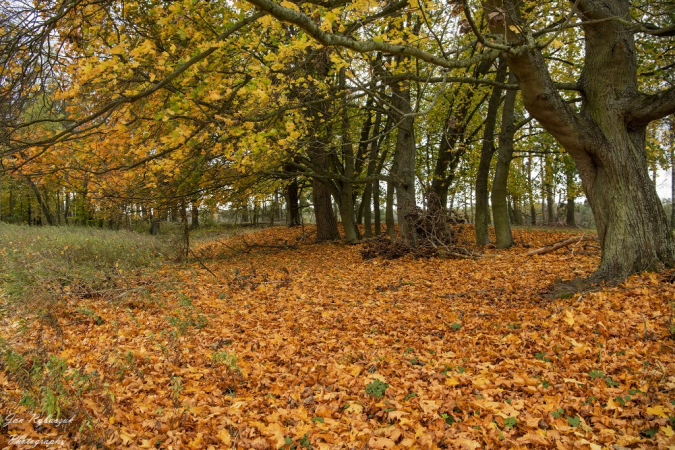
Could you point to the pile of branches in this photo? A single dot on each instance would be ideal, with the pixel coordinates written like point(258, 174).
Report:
point(435, 233)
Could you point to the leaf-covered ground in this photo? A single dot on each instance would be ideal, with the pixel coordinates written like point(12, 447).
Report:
point(313, 347)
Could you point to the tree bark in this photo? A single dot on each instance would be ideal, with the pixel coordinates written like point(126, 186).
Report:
point(548, 190)
point(45, 213)
point(292, 202)
point(195, 214)
point(487, 150)
point(457, 120)
point(326, 224)
point(671, 123)
point(500, 207)
point(370, 170)
point(389, 211)
point(404, 160)
point(606, 139)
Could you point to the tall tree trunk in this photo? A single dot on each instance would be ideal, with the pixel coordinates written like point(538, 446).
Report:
point(457, 120)
point(404, 160)
point(500, 208)
point(671, 123)
point(389, 211)
point(517, 211)
point(487, 150)
point(530, 191)
point(569, 178)
point(376, 208)
point(326, 224)
point(346, 186)
point(548, 189)
point(45, 213)
point(370, 170)
point(66, 209)
point(292, 203)
point(195, 214)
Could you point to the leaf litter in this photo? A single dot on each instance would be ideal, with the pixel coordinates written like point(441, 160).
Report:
point(311, 346)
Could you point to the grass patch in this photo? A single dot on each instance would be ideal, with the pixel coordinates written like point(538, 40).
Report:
point(41, 266)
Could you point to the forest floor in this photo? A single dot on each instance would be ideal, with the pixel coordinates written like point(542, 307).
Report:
point(295, 345)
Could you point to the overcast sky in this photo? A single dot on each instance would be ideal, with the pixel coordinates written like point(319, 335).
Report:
point(663, 184)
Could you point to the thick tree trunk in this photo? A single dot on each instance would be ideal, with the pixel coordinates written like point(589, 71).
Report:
point(404, 161)
point(607, 138)
point(487, 150)
point(326, 225)
point(570, 219)
point(347, 213)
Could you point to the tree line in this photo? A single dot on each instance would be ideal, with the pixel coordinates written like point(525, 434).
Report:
point(157, 109)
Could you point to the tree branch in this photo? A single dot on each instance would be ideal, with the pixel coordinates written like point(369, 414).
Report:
point(334, 40)
point(651, 107)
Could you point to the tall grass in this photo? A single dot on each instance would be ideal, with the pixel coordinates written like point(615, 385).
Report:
point(49, 264)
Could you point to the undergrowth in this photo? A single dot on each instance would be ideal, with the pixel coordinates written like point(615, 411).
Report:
point(43, 266)
point(46, 274)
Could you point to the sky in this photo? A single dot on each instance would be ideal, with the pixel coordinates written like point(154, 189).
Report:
point(663, 184)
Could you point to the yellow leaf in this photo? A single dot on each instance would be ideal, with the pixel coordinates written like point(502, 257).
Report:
point(556, 43)
point(657, 411)
point(569, 317)
point(355, 407)
point(668, 431)
point(452, 381)
point(224, 436)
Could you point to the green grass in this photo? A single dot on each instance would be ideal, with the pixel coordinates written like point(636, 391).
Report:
point(45, 264)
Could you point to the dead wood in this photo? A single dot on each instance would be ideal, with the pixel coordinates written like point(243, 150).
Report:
point(561, 244)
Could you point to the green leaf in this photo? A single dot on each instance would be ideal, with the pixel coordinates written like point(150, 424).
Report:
point(594, 374)
point(510, 422)
point(574, 421)
point(376, 388)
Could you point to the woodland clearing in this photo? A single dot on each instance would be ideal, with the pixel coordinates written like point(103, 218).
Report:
point(315, 347)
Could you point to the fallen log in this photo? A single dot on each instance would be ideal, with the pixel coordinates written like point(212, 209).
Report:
point(561, 244)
